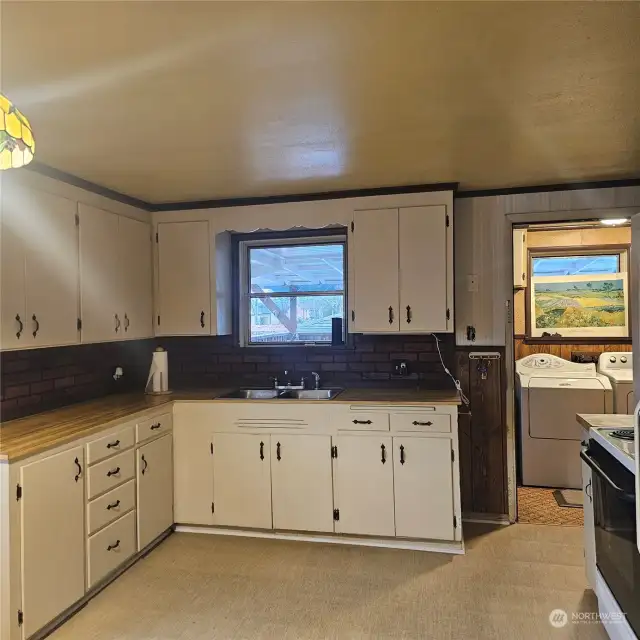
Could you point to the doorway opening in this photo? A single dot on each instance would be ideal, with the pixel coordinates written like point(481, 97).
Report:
point(570, 305)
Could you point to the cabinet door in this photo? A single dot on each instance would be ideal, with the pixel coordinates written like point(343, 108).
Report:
point(12, 274)
point(374, 243)
point(192, 472)
point(423, 487)
point(242, 480)
point(155, 489)
point(52, 518)
point(302, 486)
point(184, 285)
point(136, 283)
point(52, 272)
point(589, 526)
point(363, 485)
point(423, 269)
point(99, 255)
point(520, 255)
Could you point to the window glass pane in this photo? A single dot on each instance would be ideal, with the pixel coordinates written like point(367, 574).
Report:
point(576, 265)
point(297, 268)
point(294, 319)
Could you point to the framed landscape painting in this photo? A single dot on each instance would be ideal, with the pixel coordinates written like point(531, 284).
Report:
point(587, 306)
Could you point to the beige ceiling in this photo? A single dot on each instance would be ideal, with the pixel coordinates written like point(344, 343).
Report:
point(169, 101)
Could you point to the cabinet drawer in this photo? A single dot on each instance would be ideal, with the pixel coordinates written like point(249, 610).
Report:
point(153, 427)
point(426, 422)
point(110, 445)
point(109, 548)
point(110, 473)
point(111, 506)
point(364, 421)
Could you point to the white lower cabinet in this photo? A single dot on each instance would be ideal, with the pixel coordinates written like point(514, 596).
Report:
point(242, 480)
point(154, 464)
point(423, 488)
point(363, 485)
point(52, 519)
point(301, 483)
point(589, 527)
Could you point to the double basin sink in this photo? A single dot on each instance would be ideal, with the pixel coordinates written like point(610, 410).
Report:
point(284, 394)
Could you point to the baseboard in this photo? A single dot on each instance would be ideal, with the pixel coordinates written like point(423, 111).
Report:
point(487, 518)
point(361, 541)
point(94, 591)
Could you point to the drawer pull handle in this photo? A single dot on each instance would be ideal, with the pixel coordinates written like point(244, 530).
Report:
point(113, 505)
point(155, 426)
point(35, 320)
point(113, 472)
point(390, 315)
point(115, 443)
point(202, 319)
point(146, 464)
point(21, 329)
point(422, 424)
point(126, 322)
point(111, 547)
point(408, 314)
point(362, 422)
point(401, 454)
point(278, 456)
point(118, 323)
point(383, 451)
point(77, 463)
point(262, 451)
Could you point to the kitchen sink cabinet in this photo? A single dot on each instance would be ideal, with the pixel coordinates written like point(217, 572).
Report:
point(403, 270)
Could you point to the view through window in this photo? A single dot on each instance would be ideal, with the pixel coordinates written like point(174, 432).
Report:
point(576, 265)
point(295, 289)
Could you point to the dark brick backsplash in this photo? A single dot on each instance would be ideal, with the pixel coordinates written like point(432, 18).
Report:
point(39, 379)
point(35, 380)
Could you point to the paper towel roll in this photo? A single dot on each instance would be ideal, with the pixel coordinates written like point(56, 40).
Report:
point(158, 380)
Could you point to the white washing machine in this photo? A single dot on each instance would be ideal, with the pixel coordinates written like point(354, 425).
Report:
point(618, 367)
point(551, 391)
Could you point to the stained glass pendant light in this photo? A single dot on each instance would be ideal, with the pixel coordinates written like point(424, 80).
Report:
point(16, 138)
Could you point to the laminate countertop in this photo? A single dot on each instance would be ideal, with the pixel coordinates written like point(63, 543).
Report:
point(26, 437)
point(612, 420)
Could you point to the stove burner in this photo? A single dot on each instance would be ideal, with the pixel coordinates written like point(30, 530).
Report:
point(623, 434)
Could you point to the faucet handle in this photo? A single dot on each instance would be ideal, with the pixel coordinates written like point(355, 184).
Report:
point(302, 381)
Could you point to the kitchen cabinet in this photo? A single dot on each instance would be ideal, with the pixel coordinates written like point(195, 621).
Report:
point(192, 471)
point(115, 276)
point(589, 526)
point(53, 554)
point(423, 488)
point(520, 258)
point(403, 270)
point(242, 480)
point(184, 278)
point(154, 465)
point(301, 482)
point(39, 256)
point(363, 485)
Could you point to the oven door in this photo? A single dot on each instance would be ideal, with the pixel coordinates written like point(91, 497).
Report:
point(614, 512)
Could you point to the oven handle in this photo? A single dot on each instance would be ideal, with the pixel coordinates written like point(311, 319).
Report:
point(623, 495)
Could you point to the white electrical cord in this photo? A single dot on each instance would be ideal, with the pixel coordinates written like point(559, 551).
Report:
point(456, 382)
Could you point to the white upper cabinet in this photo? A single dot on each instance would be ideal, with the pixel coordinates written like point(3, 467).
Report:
point(39, 270)
point(184, 279)
point(403, 270)
point(115, 276)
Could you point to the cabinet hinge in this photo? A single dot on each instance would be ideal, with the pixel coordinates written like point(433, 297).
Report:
point(334, 451)
point(77, 220)
point(447, 220)
point(158, 320)
point(336, 514)
point(213, 507)
point(79, 324)
point(156, 237)
point(448, 314)
point(211, 447)
point(353, 226)
point(453, 456)
point(18, 493)
point(455, 522)
point(20, 617)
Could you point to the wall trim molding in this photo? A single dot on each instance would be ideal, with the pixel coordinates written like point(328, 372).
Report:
point(218, 203)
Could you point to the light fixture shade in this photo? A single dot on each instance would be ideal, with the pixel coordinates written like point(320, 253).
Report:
point(17, 145)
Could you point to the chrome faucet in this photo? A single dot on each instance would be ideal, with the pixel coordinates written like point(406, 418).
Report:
point(288, 386)
point(316, 380)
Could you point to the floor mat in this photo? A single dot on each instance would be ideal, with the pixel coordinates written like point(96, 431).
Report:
point(572, 498)
point(538, 506)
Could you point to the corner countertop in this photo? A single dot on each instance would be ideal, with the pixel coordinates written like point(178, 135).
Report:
point(35, 434)
point(612, 420)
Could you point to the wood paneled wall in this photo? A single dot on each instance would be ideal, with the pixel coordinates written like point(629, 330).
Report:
point(483, 435)
point(523, 349)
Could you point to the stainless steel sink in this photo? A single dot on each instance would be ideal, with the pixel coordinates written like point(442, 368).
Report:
point(273, 394)
point(316, 394)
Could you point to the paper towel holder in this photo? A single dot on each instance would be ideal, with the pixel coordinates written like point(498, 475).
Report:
point(153, 371)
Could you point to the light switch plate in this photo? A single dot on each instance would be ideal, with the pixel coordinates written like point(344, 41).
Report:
point(472, 283)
